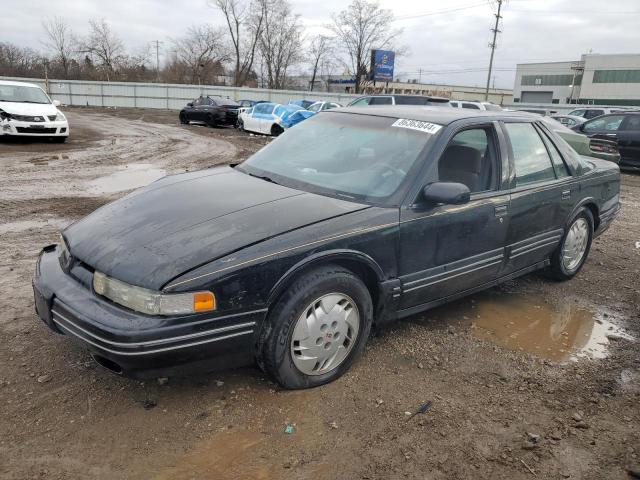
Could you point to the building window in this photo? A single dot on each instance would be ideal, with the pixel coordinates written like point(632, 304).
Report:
point(553, 80)
point(616, 76)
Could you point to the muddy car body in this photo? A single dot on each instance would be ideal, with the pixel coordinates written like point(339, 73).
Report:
point(389, 212)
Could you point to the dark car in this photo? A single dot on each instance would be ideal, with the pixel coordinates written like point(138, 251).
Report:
point(399, 100)
point(355, 216)
point(212, 111)
point(624, 128)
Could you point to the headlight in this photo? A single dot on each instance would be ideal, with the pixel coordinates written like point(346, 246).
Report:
point(151, 302)
point(60, 117)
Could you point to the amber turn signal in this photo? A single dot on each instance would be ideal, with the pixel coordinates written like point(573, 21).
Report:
point(204, 302)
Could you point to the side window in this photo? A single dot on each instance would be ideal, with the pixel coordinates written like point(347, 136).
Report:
point(593, 113)
point(577, 113)
point(609, 123)
point(381, 101)
point(361, 102)
point(198, 101)
point(262, 108)
point(454, 104)
point(211, 102)
point(471, 159)
point(532, 162)
point(470, 105)
point(315, 107)
point(561, 168)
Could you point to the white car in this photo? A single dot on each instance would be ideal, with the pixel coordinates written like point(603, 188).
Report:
point(272, 118)
point(26, 110)
point(475, 105)
point(319, 106)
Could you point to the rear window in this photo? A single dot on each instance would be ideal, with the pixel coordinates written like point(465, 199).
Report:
point(412, 100)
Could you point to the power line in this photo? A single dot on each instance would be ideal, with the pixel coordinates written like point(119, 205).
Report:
point(440, 12)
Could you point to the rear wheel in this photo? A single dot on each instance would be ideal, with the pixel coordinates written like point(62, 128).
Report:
point(276, 130)
point(316, 329)
point(570, 256)
point(210, 120)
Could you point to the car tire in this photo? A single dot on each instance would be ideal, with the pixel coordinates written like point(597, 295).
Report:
point(574, 248)
point(330, 309)
point(210, 121)
point(59, 139)
point(276, 130)
point(183, 119)
point(240, 125)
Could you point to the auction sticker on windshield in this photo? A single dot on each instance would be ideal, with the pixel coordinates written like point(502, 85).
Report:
point(417, 125)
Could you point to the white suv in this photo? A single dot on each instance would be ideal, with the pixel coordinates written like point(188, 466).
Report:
point(26, 110)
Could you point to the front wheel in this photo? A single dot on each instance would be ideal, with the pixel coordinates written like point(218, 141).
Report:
point(317, 329)
point(572, 252)
point(183, 119)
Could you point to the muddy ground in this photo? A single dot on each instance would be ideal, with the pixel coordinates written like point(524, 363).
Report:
point(534, 379)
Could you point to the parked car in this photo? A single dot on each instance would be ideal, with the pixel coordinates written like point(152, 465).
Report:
point(363, 216)
point(302, 103)
point(538, 111)
point(399, 100)
point(250, 103)
point(475, 105)
point(623, 128)
point(213, 111)
point(569, 120)
point(593, 112)
point(320, 106)
point(27, 111)
point(594, 147)
point(272, 118)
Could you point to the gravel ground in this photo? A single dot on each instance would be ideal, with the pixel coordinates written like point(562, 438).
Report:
point(534, 379)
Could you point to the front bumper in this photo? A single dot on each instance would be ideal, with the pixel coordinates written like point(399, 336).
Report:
point(134, 344)
point(34, 129)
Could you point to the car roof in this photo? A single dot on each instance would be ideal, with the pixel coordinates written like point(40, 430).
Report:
point(439, 115)
point(18, 84)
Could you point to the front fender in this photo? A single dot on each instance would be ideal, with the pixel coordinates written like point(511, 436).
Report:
point(326, 256)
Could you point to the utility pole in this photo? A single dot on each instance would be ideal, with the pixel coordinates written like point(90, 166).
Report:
point(492, 45)
point(157, 44)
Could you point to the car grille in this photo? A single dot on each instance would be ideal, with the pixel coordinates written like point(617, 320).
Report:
point(27, 118)
point(42, 131)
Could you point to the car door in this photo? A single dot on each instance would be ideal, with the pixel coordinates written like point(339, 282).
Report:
point(541, 199)
point(629, 140)
point(448, 249)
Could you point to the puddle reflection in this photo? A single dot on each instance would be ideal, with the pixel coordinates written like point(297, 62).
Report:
point(557, 331)
point(133, 175)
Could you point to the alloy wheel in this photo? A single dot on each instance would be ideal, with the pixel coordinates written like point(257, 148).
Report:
point(575, 244)
point(325, 333)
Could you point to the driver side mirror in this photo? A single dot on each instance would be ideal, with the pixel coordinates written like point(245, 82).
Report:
point(190, 104)
point(447, 193)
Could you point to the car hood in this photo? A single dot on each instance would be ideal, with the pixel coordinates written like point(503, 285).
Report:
point(183, 221)
point(31, 109)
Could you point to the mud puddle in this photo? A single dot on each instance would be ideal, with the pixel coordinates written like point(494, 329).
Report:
point(220, 458)
point(558, 332)
point(133, 175)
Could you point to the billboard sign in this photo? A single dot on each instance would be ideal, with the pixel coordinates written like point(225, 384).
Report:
point(382, 65)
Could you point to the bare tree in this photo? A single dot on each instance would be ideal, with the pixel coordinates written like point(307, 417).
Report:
point(363, 26)
point(104, 45)
point(280, 42)
point(201, 51)
point(244, 20)
point(60, 41)
point(20, 62)
point(320, 49)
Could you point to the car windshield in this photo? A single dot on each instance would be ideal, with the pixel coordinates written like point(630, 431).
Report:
point(23, 94)
point(365, 158)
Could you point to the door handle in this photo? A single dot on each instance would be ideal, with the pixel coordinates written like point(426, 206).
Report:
point(566, 194)
point(500, 210)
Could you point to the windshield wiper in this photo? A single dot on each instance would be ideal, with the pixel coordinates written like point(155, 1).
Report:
point(263, 177)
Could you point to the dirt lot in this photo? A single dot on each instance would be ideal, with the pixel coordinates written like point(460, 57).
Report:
point(534, 379)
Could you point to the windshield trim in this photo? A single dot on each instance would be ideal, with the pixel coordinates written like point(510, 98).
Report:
point(393, 200)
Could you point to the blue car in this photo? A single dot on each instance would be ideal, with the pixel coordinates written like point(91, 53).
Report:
point(272, 118)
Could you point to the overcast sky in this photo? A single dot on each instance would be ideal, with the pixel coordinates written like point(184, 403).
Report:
point(448, 41)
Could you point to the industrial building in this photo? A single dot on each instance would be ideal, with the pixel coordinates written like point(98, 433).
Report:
point(594, 79)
